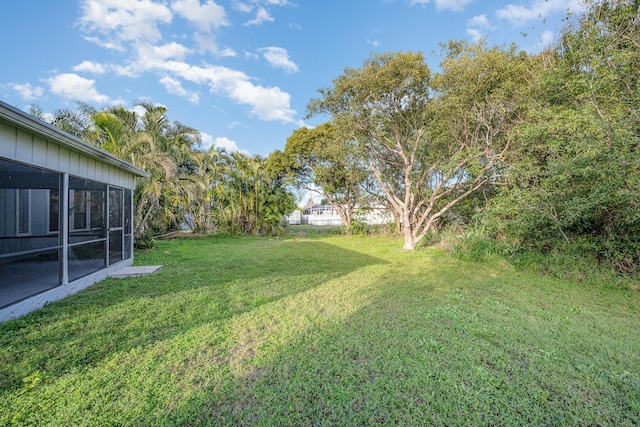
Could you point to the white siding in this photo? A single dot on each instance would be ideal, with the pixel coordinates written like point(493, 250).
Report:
point(39, 156)
point(7, 141)
point(24, 147)
point(17, 144)
point(53, 157)
point(74, 163)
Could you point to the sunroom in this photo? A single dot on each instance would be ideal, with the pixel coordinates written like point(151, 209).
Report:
point(66, 213)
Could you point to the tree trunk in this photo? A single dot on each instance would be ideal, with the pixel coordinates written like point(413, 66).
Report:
point(408, 232)
point(409, 240)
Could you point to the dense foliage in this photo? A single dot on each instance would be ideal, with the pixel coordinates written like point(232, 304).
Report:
point(430, 140)
point(574, 179)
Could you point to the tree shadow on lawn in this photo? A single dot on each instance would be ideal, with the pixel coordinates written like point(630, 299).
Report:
point(202, 282)
point(413, 354)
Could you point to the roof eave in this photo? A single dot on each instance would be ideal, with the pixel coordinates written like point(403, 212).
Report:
point(26, 121)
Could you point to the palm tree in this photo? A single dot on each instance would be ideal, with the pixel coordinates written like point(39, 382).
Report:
point(162, 148)
point(247, 200)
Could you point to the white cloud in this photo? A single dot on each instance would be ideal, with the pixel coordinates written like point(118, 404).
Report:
point(374, 43)
point(136, 25)
point(224, 143)
point(220, 143)
point(267, 103)
point(139, 109)
point(164, 52)
point(206, 42)
point(76, 88)
point(202, 16)
point(519, 15)
point(455, 5)
point(125, 19)
point(480, 21)
point(545, 40)
point(476, 24)
point(111, 45)
point(242, 7)
point(26, 91)
point(151, 57)
point(262, 15)
point(475, 34)
point(279, 58)
point(227, 52)
point(90, 67)
point(174, 87)
point(123, 70)
point(206, 141)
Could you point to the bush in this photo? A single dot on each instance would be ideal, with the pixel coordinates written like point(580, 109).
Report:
point(358, 226)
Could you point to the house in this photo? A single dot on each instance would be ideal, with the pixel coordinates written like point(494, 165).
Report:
point(321, 215)
point(294, 218)
point(328, 215)
point(66, 213)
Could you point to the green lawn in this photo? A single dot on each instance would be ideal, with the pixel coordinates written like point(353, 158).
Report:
point(324, 331)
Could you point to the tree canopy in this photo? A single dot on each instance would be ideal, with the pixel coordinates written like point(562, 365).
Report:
point(321, 159)
point(430, 140)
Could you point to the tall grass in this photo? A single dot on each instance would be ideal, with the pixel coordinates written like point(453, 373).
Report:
point(563, 262)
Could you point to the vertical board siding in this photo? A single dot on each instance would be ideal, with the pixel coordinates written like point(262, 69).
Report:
point(39, 156)
point(7, 141)
point(53, 156)
point(100, 169)
point(92, 169)
point(74, 163)
point(63, 159)
point(83, 166)
point(24, 147)
point(19, 143)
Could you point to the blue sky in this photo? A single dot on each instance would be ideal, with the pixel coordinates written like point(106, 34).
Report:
point(241, 72)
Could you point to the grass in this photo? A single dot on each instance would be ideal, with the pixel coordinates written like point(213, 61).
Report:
point(328, 330)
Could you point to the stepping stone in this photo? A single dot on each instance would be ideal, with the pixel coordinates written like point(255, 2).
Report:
point(133, 271)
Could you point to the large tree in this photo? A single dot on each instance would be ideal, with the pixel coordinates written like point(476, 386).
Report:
point(427, 144)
